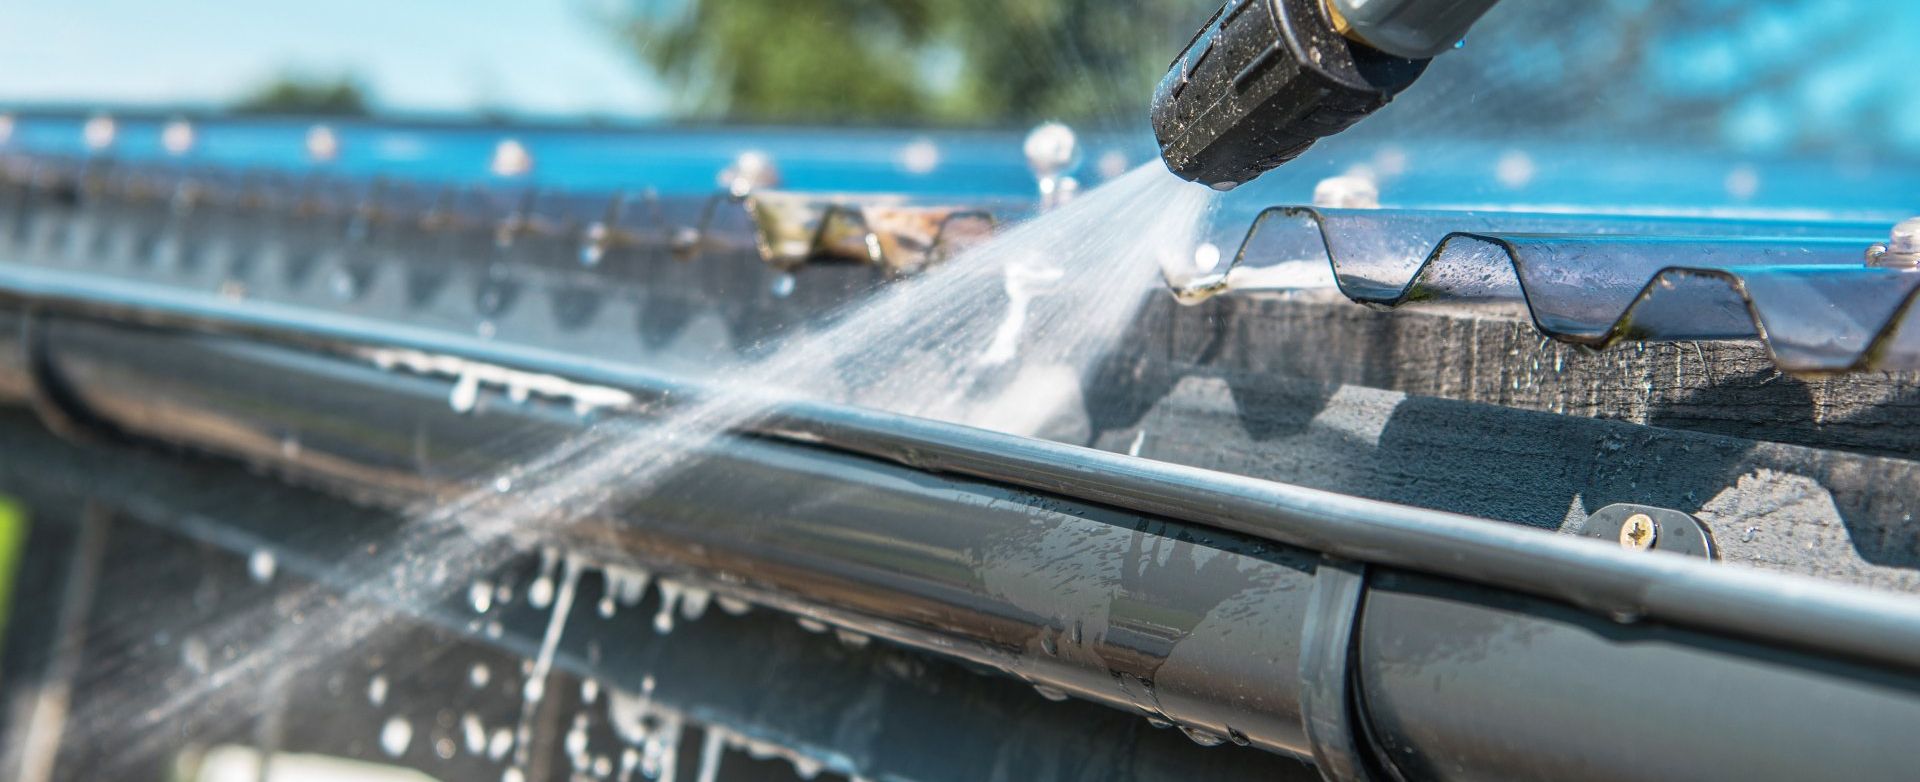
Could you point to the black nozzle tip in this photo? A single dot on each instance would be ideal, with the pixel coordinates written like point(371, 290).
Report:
point(1260, 84)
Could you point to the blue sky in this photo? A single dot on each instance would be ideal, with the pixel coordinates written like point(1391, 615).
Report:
point(531, 56)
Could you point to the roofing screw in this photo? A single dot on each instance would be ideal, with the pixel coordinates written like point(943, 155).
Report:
point(1902, 249)
point(1051, 149)
point(1638, 532)
point(98, 132)
point(322, 145)
point(177, 137)
point(752, 170)
point(1347, 191)
point(510, 159)
point(1053, 152)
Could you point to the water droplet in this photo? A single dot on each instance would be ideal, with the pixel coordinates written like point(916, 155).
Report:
point(1206, 256)
point(633, 586)
point(669, 597)
point(343, 285)
point(1050, 692)
point(589, 691)
point(693, 602)
point(812, 625)
point(782, 285)
point(513, 775)
point(733, 605)
point(851, 638)
point(260, 566)
point(465, 393)
point(479, 675)
point(502, 484)
point(475, 733)
point(500, 744)
point(685, 239)
point(576, 741)
point(195, 655)
point(1158, 723)
point(540, 595)
point(481, 596)
point(594, 247)
point(396, 735)
point(1202, 737)
point(377, 690)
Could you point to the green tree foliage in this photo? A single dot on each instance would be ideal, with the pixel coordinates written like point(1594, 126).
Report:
point(908, 61)
point(304, 96)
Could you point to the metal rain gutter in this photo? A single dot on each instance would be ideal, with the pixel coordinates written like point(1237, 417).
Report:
point(1311, 620)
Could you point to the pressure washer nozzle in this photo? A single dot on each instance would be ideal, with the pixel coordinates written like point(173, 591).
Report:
point(1261, 82)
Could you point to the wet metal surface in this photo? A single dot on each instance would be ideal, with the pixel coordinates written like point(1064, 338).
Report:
point(1802, 286)
point(263, 320)
point(1686, 707)
point(1864, 625)
point(868, 710)
point(1031, 568)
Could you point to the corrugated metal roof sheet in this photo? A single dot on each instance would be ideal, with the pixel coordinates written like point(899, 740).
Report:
point(1803, 286)
point(1801, 283)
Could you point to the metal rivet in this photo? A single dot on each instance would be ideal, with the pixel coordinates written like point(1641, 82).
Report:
point(1638, 532)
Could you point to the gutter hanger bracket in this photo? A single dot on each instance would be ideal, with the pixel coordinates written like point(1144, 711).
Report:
point(1328, 707)
point(1647, 528)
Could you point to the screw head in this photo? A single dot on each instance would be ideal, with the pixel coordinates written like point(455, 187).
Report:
point(1902, 248)
point(1905, 237)
point(1638, 533)
point(1052, 150)
point(750, 172)
point(323, 146)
